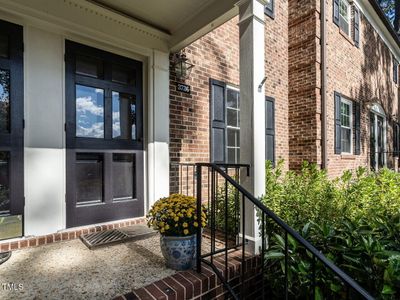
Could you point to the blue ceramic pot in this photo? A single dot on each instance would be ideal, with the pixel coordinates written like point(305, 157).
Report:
point(179, 252)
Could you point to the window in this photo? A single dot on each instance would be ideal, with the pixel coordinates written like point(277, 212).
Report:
point(395, 70)
point(4, 101)
point(233, 125)
point(225, 123)
point(346, 121)
point(344, 16)
point(269, 8)
point(347, 125)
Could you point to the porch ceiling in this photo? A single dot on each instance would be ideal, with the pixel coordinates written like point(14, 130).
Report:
point(183, 20)
point(166, 25)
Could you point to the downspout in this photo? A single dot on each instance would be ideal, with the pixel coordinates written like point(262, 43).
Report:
point(324, 155)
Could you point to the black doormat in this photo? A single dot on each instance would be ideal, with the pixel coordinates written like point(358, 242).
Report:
point(4, 256)
point(114, 236)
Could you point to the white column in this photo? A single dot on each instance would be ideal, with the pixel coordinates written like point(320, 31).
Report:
point(252, 104)
point(158, 128)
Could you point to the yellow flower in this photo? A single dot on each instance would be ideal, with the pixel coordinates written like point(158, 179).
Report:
point(162, 230)
point(176, 219)
point(166, 227)
point(176, 224)
point(185, 225)
point(185, 231)
point(195, 224)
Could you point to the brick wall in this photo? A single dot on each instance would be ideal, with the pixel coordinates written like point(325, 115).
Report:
point(304, 141)
point(216, 56)
point(363, 75)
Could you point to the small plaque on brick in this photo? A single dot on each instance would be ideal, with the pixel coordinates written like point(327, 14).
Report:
point(184, 88)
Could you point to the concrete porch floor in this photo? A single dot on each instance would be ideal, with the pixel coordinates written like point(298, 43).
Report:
point(69, 270)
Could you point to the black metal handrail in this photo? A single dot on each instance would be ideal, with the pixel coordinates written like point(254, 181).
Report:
point(265, 212)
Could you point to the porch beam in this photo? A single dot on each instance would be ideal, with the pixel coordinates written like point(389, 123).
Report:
point(252, 104)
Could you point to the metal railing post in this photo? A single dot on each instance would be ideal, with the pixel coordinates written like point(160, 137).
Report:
point(199, 219)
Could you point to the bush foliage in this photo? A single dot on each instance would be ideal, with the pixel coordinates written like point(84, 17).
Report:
point(354, 220)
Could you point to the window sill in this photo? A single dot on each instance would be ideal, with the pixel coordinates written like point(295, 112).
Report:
point(346, 36)
point(349, 156)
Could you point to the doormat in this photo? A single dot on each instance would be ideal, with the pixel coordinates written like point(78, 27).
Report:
point(115, 236)
point(4, 256)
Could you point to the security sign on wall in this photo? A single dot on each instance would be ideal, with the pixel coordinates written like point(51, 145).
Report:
point(184, 88)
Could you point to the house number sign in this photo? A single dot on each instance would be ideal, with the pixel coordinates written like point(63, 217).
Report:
point(184, 88)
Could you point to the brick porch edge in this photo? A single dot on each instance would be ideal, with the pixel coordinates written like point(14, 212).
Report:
point(65, 235)
point(205, 285)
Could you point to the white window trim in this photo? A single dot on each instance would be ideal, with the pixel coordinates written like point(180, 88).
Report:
point(350, 103)
point(230, 87)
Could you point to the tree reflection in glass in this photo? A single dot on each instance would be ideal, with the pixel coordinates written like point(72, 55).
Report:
point(124, 116)
point(4, 100)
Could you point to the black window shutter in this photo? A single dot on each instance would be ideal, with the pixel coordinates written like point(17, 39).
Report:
point(357, 128)
point(338, 125)
point(356, 27)
point(336, 12)
point(395, 70)
point(218, 121)
point(270, 129)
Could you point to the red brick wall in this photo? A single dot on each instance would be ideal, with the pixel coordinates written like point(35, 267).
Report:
point(361, 74)
point(364, 75)
point(216, 56)
point(304, 121)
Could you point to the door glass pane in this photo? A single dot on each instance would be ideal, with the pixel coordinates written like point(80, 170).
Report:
point(231, 155)
point(89, 66)
point(123, 176)
point(4, 100)
point(89, 112)
point(4, 45)
point(123, 75)
point(124, 116)
point(4, 182)
point(89, 177)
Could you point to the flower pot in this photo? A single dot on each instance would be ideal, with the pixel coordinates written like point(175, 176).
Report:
point(179, 252)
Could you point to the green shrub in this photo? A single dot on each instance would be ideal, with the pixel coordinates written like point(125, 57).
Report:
point(354, 220)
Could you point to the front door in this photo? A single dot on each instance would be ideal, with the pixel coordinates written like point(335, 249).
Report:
point(377, 141)
point(104, 136)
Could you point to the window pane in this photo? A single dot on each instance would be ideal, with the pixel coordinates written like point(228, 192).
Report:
point(4, 100)
point(346, 140)
point(89, 177)
point(89, 66)
point(4, 182)
point(232, 98)
point(232, 117)
point(123, 75)
point(4, 45)
point(124, 116)
point(233, 137)
point(270, 5)
point(344, 10)
point(123, 176)
point(231, 155)
point(89, 112)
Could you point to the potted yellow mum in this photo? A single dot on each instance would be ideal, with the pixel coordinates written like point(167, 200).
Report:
point(176, 219)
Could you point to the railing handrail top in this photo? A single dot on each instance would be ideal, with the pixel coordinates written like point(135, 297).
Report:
point(346, 278)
